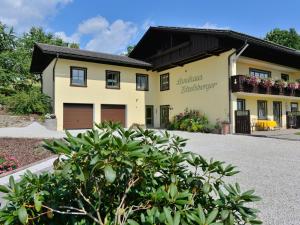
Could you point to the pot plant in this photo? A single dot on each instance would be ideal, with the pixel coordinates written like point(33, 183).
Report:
point(278, 87)
point(290, 89)
point(265, 86)
point(251, 83)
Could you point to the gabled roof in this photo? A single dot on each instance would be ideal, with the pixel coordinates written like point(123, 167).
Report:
point(227, 39)
point(220, 32)
point(43, 54)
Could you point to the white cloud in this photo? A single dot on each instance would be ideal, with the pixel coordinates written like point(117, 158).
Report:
point(23, 14)
point(74, 38)
point(104, 36)
point(93, 25)
point(148, 23)
point(208, 25)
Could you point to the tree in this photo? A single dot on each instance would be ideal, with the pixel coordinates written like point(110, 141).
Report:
point(16, 55)
point(129, 49)
point(289, 38)
point(113, 176)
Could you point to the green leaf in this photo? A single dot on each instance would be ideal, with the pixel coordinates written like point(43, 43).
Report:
point(168, 216)
point(12, 182)
point(4, 189)
point(173, 190)
point(224, 214)
point(201, 214)
point(255, 222)
point(22, 215)
point(37, 202)
point(110, 174)
point(176, 218)
point(212, 216)
point(132, 222)
point(206, 188)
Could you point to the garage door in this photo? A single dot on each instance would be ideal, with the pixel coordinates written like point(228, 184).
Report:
point(78, 116)
point(114, 113)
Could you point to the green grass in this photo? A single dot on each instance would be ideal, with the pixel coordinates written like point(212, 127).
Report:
point(298, 133)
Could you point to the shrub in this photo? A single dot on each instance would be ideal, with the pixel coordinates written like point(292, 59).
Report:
point(29, 102)
point(7, 163)
point(116, 176)
point(192, 121)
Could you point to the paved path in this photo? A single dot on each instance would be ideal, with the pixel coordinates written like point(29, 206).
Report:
point(34, 130)
point(285, 134)
point(270, 166)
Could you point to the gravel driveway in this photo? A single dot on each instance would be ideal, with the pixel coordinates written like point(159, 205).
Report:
point(270, 166)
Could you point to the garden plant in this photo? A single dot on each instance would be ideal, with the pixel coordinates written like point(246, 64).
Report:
point(192, 121)
point(113, 176)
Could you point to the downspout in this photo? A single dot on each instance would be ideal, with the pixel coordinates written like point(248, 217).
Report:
point(53, 79)
point(238, 54)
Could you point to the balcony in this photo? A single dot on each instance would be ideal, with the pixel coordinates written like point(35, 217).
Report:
point(242, 83)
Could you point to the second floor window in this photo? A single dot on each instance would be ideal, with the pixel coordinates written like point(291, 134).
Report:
point(78, 77)
point(285, 77)
point(260, 73)
point(112, 79)
point(142, 83)
point(164, 82)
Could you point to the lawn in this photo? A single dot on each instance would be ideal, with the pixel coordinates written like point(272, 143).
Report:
point(24, 150)
point(297, 133)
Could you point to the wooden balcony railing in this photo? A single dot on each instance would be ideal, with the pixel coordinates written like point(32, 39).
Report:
point(240, 83)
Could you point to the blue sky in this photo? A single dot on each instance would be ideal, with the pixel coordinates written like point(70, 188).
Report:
point(111, 25)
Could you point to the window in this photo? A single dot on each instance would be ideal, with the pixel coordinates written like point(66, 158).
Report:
point(260, 73)
point(294, 106)
point(262, 110)
point(112, 79)
point(142, 82)
point(285, 77)
point(78, 77)
point(241, 104)
point(164, 82)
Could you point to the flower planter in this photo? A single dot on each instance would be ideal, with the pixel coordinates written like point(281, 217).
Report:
point(264, 90)
point(289, 92)
point(277, 91)
point(250, 88)
point(297, 92)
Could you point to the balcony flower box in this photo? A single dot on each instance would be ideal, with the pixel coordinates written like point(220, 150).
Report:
point(277, 90)
point(251, 84)
point(291, 89)
point(297, 92)
point(265, 86)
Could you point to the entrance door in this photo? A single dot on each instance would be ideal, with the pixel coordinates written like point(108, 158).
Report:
point(164, 116)
point(149, 116)
point(242, 122)
point(277, 113)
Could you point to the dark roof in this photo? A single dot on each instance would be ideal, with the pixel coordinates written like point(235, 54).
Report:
point(229, 33)
point(227, 39)
point(43, 54)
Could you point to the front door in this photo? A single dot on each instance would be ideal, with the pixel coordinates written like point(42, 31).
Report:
point(164, 116)
point(149, 116)
point(277, 113)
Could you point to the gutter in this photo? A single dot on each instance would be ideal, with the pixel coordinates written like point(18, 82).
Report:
point(239, 53)
point(53, 79)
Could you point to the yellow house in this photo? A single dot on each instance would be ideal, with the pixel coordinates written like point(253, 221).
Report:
point(229, 76)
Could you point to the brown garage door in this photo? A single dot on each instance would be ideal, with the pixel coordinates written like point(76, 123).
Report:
point(78, 116)
point(114, 113)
